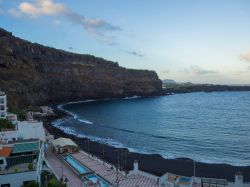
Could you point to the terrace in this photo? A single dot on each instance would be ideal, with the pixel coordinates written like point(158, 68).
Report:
point(102, 172)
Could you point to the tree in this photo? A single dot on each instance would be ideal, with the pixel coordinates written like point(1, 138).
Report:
point(5, 124)
point(30, 184)
point(30, 166)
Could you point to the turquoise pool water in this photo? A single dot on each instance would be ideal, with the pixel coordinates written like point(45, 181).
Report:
point(76, 165)
point(94, 179)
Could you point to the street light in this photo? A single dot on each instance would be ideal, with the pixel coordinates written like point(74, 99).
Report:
point(102, 147)
point(62, 172)
point(117, 168)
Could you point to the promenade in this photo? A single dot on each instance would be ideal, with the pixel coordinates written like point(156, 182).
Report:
point(104, 170)
point(60, 169)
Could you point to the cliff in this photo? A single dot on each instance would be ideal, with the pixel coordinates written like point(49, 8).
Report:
point(32, 74)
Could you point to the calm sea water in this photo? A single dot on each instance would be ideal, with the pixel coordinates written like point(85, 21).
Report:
point(209, 127)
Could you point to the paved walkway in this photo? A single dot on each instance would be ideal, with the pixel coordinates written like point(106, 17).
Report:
point(111, 174)
point(58, 167)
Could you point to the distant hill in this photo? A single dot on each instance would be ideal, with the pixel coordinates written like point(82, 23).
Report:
point(189, 87)
point(169, 81)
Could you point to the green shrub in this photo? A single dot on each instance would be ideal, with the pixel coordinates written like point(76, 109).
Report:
point(53, 182)
point(30, 166)
point(5, 124)
point(21, 114)
point(30, 184)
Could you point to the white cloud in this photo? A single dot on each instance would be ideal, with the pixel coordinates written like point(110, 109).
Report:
point(98, 28)
point(245, 56)
point(14, 12)
point(1, 10)
point(57, 22)
point(134, 53)
point(200, 71)
point(167, 71)
point(41, 8)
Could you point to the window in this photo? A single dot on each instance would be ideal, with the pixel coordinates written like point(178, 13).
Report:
point(2, 114)
point(5, 185)
point(1, 162)
point(1, 107)
point(1, 101)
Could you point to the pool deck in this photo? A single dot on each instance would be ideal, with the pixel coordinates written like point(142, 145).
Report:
point(56, 165)
point(98, 167)
point(111, 175)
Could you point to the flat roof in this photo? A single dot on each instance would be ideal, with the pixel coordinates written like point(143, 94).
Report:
point(25, 147)
point(5, 151)
point(62, 142)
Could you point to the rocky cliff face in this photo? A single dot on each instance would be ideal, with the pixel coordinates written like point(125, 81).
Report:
point(32, 74)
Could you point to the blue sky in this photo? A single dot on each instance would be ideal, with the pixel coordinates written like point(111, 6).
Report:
point(204, 41)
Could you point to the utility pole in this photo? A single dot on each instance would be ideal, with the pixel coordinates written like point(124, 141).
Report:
point(103, 153)
point(117, 168)
point(194, 167)
point(125, 161)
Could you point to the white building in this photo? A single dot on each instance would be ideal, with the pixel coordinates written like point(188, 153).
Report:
point(20, 163)
point(24, 130)
point(3, 105)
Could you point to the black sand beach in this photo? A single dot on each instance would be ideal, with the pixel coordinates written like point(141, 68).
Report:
point(153, 163)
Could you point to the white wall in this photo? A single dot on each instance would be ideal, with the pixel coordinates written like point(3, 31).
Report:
point(17, 179)
point(4, 104)
point(8, 135)
point(4, 164)
point(231, 184)
point(31, 129)
point(25, 130)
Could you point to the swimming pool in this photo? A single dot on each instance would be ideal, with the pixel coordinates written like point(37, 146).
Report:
point(80, 168)
point(95, 178)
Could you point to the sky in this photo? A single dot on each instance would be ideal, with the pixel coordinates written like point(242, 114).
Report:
point(198, 41)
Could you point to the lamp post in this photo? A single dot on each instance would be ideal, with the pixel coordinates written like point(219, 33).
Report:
point(62, 172)
point(102, 150)
point(194, 167)
point(117, 168)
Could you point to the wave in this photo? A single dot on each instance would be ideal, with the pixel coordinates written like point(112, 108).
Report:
point(93, 100)
point(85, 121)
point(133, 97)
point(107, 141)
point(75, 116)
point(117, 144)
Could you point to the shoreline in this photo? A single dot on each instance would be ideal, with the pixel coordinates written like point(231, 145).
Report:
point(152, 163)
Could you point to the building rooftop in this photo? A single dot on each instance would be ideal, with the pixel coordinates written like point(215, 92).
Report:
point(62, 142)
point(25, 147)
point(5, 151)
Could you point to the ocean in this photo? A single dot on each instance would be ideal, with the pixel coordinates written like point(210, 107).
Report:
point(208, 127)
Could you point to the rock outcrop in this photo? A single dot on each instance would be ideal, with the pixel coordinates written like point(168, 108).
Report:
point(32, 74)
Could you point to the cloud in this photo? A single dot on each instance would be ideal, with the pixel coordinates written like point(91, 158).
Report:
point(167, 71)
point(38, 8)
point(98, 28)
point(135, 54)
point(1, 10)
point(245, 56)
point(94, 26)
point(199, 71)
